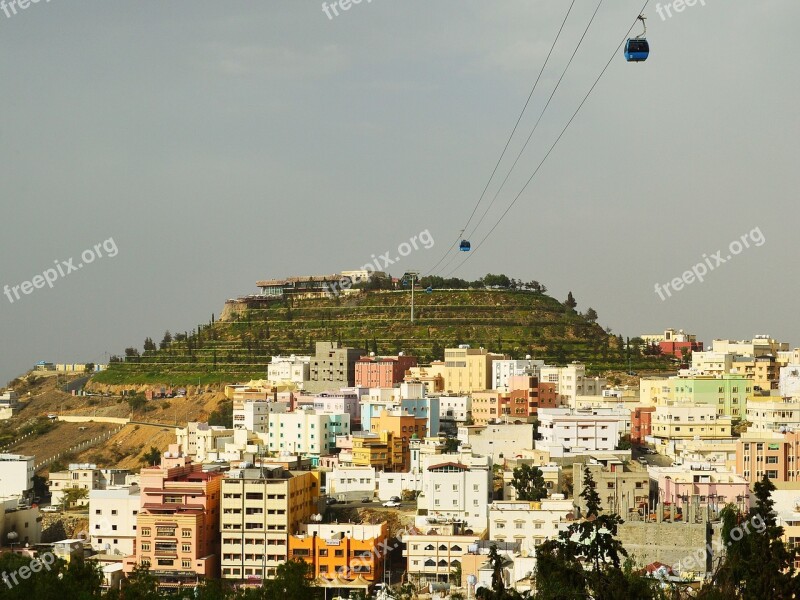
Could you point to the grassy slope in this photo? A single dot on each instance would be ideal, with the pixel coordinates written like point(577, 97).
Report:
point(516, 323)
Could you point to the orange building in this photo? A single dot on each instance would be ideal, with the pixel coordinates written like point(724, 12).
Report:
point(177, 528)
point(343, 550)
point(520, 405)
point(641, 423)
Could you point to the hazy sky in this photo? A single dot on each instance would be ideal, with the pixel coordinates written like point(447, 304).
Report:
point(218, 143)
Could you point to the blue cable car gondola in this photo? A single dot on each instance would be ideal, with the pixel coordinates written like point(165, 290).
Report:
point(638, 49)
point(465, 246)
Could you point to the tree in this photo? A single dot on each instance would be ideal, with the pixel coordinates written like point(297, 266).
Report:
point(625, 442)
point(166, 340)
point(140, 585)
point(152, 457)
point(72, 495)
point(292, 582)
point(589, 494)
point(529, 483)
point(498, 582)
point(591, 315)
point(89, 368)
point(223, 415)
point(451, 445)
point(149, 345)
point(570, 302)
point(757, 563)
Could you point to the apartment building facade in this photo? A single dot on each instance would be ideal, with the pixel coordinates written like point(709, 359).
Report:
point(177, 528)
point(689, 422)
point(382, 371)
point(468, 369)
point(342, 551)
point(260, 508)
point(776, 455)
point(305, 431)
point(112, 519)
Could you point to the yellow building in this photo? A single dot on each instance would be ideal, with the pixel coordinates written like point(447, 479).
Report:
point(383, 450)
point(260, 508)
point(468, 370)
point(689, 422)
point(402, 426)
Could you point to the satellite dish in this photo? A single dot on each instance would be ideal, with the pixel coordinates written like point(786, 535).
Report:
point(471, 579)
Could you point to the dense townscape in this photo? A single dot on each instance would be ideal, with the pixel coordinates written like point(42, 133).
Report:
point(248, 350)
point(349, 474)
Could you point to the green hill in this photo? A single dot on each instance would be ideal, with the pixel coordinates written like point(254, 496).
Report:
point(240, 345)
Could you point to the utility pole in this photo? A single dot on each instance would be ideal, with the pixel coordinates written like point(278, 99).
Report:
point(414, 276)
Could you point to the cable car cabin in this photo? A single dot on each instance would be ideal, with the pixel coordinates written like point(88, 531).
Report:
point(465, 246)
point(637, 50)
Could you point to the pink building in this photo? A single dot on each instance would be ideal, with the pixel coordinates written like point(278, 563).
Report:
point(701, 485)
point(382, 371)
point(177, 528)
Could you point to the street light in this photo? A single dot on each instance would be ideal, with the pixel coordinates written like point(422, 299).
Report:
point(12, 536)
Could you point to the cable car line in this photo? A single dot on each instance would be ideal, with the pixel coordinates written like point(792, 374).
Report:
point(555, 143)
point(513, 131)
point(536, 126)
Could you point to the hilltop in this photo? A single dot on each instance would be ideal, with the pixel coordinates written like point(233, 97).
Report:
point(239, 345)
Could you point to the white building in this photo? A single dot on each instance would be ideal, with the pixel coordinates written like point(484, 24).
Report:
point(621, 412)
point(529, 523)
point(457, 486)
point(16, 474)
point(565, 433)
point(503, 369)
point(305, 432)
point(394, 484)
point(254, 415)
point(83, 476)
point(760, 345)
point(112, 519)
point(789, 384)
point(293, 369)
point(773, 415)
point(498, 440)
point(198, 440)
point(433, 557)
point(9, 404)
point(571, 381)
point(712, 363)
point(455, 408)
point(351, 483)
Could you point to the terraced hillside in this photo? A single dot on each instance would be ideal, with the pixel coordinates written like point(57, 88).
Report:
point(239, 346)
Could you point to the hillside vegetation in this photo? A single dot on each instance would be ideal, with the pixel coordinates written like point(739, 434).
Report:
point(514, 322)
